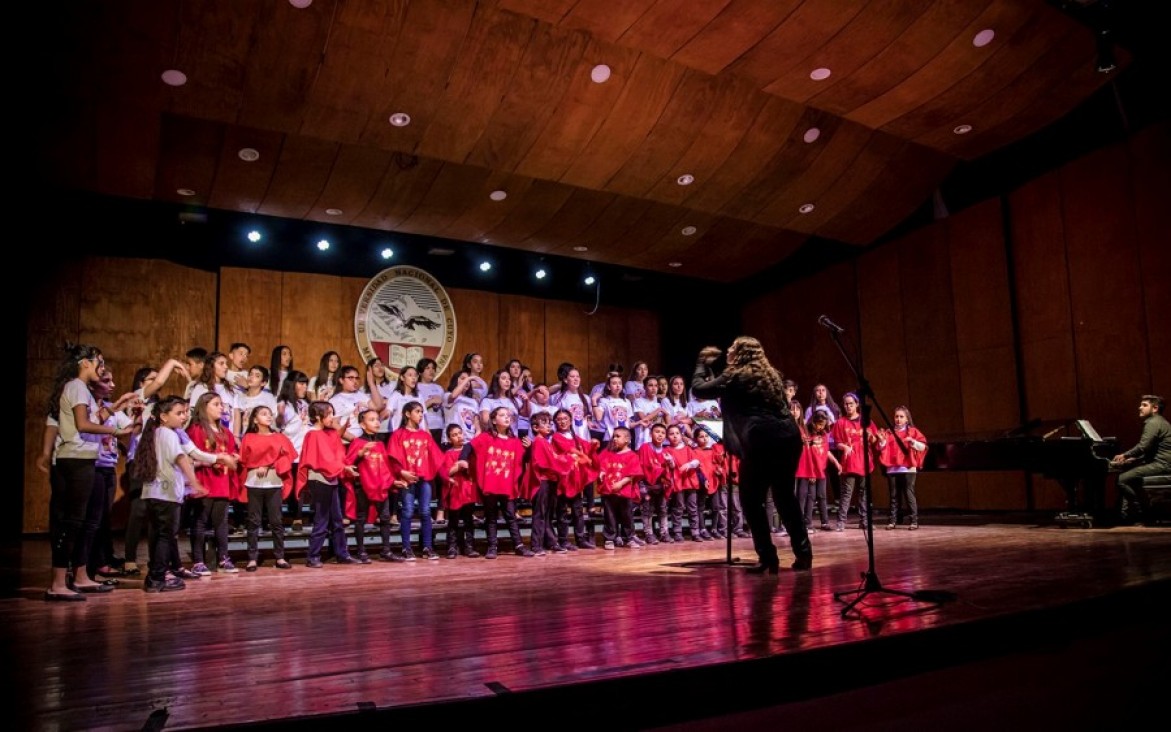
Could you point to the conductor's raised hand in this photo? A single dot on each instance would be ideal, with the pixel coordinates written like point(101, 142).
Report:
point(709, 355)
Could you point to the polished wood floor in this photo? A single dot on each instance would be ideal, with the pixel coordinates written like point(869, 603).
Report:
point(271, 645)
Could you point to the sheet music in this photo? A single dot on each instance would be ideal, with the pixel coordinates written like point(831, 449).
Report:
point(1088, 430)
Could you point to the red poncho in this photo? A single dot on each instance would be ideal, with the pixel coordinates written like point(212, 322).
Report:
point(707, 465)
point(459, 490)
point(582, 474)
point(272, 450)
point(680, 478)
point(324, 453)
point(499, 462)
point(613, 467)
point(848, 431)
point(814, 456)
point(377, 472)
point(545, 463)
point(217, 480)
point(892, 455)
point(416, 451)
point(654, 469)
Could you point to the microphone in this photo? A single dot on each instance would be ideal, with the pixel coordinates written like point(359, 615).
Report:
point(831, 325)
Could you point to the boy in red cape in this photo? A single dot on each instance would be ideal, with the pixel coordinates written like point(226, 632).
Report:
point(378, 478)
point(682, 483)
point(499, 462)
point(266, 467)
point(321, 473)
point(653, 487)
point(460, 496)
point(547, 469)
point(618, 472)
point(709, 481)
point(570, 491)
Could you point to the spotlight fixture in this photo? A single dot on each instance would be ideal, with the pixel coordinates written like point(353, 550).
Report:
point(400, 119)
point(686, 179)
point(806, 208)
point(249, 154)
point(580, 248)
point(300, 4)
point(333, 212)
point(811, 135)
point(185, 192)
point(590, 280)
point(323, 245)
point(820, 74)
point(485, 266)
point(387, 253)
point(688, 230)
point(498, 195)
point(962, 129)
point(254, 236)
point(674, 264)
point(983, 38)
point(540, 274)
point(174, 77)
point(600, 73)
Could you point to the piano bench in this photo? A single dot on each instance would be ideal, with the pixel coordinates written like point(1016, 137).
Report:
point(1158, 489)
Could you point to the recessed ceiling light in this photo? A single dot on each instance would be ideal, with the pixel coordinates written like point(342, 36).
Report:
point(820, 74)
point(590, 280)
point(674, 264)
point(254, 236)
point(686, 179)
point(600, 73)
point(540, 274)
point(806, 208)
point(811, 134)
point(688, 230)
point(387, 253)
point(580, 248)
point(983, 38)
point(300, 4)
point(440, 251)
point(249, 154)
point(333, 212)
point(174, 77)
point(498, 195)
point(400, 119)
point(185, 192)
point(962, 129)
point(485, 266)
point(323, 245)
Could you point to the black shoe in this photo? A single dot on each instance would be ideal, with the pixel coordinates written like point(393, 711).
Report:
point(408, 555)
point(802, 564)
point(524, 551)
point(773, 567)
point(429, 554)
point(471, 553)
point(587, 545)
point(650, 539)
point(491, 553)
point(363, 558)
point(347, 559)
point(94, 589)
point(453, 552)
point(314, 563)
point(51, 596)
point(169, 585)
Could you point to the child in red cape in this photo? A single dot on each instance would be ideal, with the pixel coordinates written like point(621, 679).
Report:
point(499, 462)
point(571, 490)
point(378, 479)
point(547, 469)
point(266, 463)
point(320, 473)
point(618, 472)
point(420, 457)
point(460, 496)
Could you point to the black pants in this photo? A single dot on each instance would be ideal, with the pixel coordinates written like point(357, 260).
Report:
point(494, 505)
point(212, 515)
point(71, 482)
point(1130, 483)
point(684, 502)
point(162, 536)
point(294, 502)
point(769, 468)
point(461, 527)
point(570, 509)
point(97, 547)
point(811, 495)
point(619, 518)
point(381, 508)
point(726, 505)
point(902, 486)
point(136, 522)
point(542, 534)
point(849, 483)
point(261, 500)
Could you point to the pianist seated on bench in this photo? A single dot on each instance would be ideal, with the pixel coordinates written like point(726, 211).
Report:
point(1151, 456)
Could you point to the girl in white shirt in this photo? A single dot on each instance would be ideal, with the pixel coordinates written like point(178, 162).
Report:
point(279, 368)
point(292, 419)
point(498, 397)
point(324, 384)
point(381, 379)
point(214, 378)
point(431, 396)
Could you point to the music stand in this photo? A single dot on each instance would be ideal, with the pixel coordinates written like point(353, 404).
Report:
point(871, 584)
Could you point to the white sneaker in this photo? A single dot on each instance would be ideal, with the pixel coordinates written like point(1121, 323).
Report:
point(609, 545)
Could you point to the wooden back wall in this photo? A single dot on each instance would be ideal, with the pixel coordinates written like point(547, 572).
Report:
point(1083, 253)
point(142, 312)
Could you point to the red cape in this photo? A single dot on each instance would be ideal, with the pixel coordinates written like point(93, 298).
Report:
point(377, 472)
point(545, 463)
point(499, 463)
point(323, 452)
point(416, 451)
point(582, 474)
point(273, 450)
point(613, 467)
point(217, 480)
point(459, 490)
point(677, 479)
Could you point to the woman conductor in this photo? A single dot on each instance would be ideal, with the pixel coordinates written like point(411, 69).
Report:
point(760, 431)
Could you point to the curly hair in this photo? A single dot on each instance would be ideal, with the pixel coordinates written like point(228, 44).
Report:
point(749, 365)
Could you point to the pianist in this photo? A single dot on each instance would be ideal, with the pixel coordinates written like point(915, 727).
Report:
point(1151, 456)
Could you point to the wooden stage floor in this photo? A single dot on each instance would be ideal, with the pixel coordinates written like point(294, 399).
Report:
point(311, 647)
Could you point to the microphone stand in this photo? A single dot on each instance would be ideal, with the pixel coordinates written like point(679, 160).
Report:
point(870, 582)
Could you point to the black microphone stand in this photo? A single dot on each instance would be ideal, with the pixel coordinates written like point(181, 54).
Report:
point(870, 582)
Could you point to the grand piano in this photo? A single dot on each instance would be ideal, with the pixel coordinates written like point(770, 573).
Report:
point(1069, 451)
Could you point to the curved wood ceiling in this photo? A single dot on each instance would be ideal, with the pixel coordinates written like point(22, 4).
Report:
point(500, 97)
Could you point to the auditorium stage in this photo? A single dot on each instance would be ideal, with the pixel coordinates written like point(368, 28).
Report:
point(614, 639)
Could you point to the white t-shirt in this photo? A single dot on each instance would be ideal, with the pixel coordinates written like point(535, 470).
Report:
point(73, 444)
point(616, 412)
point(464, 410)
point(576, 406)
point(675, 412)
point(434, 414)
point(491, 404)
point(634, 390)
point(695, 406)
point(296, 423)
point(231, 376)
point(346, 405)
point(645, 406)
point(387, 391)
point(396, 402)
point(322, 394)
point(246, 404)
point(227, 397)
point(169, 483)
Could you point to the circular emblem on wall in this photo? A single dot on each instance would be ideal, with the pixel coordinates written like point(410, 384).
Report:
point(403, 315)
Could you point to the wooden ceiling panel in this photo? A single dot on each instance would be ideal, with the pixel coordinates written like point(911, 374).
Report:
point(482, 214)
point(668, 25)
point(240, 185)
point(541, 80)
point(806, 29)
point(126, 160)
point(645, 95)
point(863, 38)
point(739, 27)
point(532, 210)
point(407, 180)
point(926, 37)
point(570, 222)
point(354, 177)
point(581, 113)
point(732, 250)
point(287, 46)
point(836, 154)
point(956, 60)
point(769, 132)
point(488, 60)
point(422, 61)
point(1008, 59)
point(618, 216)
point(363, 36)
point(655, 221)
point(188, 152)
point(300, 176)
point(213, 47)
point(606, 20)
point(546, 11)
point(454, 189)
point(673, 243)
